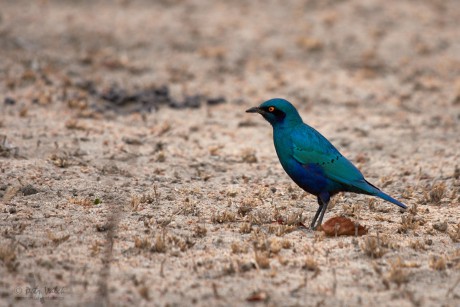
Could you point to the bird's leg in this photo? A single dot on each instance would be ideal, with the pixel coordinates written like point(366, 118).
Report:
point(320, 206)
point(325, 200)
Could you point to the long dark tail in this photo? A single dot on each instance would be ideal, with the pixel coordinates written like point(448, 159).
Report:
point(365, 187)
point(390, 199)
point(373, 190)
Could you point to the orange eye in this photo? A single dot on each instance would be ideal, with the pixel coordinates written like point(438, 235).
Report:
point(271, 109)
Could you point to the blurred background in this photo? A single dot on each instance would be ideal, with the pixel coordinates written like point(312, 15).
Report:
point(403, 53)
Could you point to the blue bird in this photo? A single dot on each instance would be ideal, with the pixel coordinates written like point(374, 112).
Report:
point(311, 160)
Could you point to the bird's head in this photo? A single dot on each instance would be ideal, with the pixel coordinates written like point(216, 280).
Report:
point(277, 111)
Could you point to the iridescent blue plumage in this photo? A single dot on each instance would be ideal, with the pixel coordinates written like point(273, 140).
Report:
point(311, 160)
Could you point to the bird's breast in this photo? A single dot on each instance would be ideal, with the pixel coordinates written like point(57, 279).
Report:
point(309, 177)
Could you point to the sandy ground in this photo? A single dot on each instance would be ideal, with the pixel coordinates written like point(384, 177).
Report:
point(131, 175)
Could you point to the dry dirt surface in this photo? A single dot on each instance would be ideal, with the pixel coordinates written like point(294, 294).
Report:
point(131, 175)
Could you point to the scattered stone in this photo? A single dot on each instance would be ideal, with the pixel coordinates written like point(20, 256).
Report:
point(215, 101)
point(132, 141)
point(440, 226)
point(9, 101)
point(247, 266)
point(28, 190)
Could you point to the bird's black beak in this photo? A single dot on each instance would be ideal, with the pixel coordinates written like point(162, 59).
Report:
point(254, 110)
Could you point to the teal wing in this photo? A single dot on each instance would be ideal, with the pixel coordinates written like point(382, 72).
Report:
point(310, 147)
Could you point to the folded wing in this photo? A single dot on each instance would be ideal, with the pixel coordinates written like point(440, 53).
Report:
point(310, 147)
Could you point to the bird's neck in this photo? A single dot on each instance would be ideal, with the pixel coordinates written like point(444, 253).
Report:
point(285, 125)
point(282, 137)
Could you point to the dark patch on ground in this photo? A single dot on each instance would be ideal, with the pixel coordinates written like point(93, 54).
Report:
point(122, 100)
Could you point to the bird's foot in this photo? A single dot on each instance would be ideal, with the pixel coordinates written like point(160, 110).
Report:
point(315, 227)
